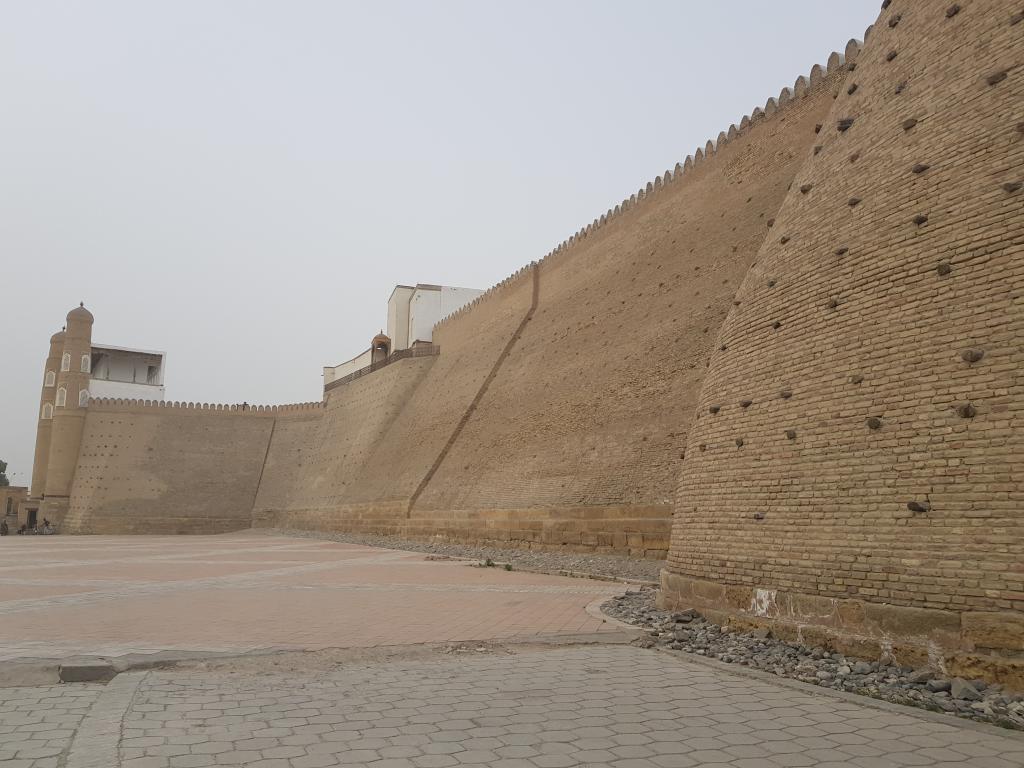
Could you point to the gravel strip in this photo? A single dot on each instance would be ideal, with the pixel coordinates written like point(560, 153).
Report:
point(601, 566)
point(688, 631)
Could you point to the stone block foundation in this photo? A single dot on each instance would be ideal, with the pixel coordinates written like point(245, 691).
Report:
point(969, 644)
point(633, 530)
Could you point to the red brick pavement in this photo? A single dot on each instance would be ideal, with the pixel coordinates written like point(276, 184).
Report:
point(102, 595)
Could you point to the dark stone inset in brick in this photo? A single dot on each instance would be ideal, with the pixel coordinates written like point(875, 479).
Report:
point(833, 303)
point(714, 409)
point(844, 124)
point(746, 403)
point(759, 515)
point(891, 55)
point(901, 87)
point(854, 157)
point(791, 434)
point(909, 123)
point(920, 168)
point(919, 507)
point(842, 250)
point(739, 442)
point(785, 394)
point(920, 219)
point(966, 411)
point(817, 148)
point(894, 21)
point(996, 77)
point(874, 423)
point(1017, 18)
point(1012, 186)
point(972, 355)
point(776, 325)
point(853, 202)
point(943, 268)
point(952, 11)
point(771, 223)
point(723, 348)
point(771, 283)
point(817, 128)
point(805, 188)
point(851, 90)
point(784, 239)
point(856, 378)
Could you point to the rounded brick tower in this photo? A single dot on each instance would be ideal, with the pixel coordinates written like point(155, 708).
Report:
point(855, 473)
point(70, 401)
point(44, 417)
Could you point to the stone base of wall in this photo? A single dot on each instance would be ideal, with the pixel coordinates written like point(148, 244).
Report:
point(969, 644)
point(111, 525)
point(636, 531)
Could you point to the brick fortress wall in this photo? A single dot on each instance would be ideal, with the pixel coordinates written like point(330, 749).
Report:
point(170, 468)
point(557, 411)
point(855, 475)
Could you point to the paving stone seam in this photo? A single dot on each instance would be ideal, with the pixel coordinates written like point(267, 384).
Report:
point(96, 740)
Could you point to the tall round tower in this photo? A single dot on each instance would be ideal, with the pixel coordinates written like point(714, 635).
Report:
point(70, 401)
point(45, 415)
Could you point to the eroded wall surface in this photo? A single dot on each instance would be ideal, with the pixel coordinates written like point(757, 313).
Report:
point(588, 417)
point(856, 471)
point(167, 469)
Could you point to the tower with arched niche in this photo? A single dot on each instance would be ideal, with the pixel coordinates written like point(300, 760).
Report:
point(70, 400)
point(44, 418)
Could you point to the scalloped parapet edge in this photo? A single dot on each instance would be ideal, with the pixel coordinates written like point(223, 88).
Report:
point(801, 88)
point(117, 403)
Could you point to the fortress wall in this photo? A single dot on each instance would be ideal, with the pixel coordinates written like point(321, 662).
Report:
point(471, 342)
point(578, 440)
point(359, 467)
point(315, 460)
point(169, 468)
point(855, 475)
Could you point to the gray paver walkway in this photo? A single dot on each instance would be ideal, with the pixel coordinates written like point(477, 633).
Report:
point(593, 705)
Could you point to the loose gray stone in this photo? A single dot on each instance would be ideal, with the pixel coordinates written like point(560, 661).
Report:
point(961, 689)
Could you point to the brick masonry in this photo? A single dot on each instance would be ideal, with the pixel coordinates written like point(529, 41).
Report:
point(855, 468)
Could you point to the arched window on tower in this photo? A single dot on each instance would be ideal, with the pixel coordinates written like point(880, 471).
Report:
point(83, 398)
point(51, 379)
point(65, 362)
point(86, 363)
point(62, 397)
point(47, 410)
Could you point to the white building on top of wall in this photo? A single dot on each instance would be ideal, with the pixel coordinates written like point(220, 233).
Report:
point(127, 373)
point(413, 311)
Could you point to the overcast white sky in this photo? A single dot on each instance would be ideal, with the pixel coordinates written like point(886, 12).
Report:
point(241, 183)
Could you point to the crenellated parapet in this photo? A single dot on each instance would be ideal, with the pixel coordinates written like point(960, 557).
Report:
point(804, 85)
point(242, 409)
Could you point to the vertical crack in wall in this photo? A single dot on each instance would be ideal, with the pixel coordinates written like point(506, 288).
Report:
point(509, 345)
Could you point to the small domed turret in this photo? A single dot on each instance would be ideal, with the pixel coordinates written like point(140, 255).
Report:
point(80, 315)
point(58, 337)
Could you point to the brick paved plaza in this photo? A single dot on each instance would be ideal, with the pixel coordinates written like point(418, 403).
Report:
point(63, 595)
point(498, 701)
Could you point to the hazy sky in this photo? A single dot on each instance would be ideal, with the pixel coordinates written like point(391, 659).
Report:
point(241, 183)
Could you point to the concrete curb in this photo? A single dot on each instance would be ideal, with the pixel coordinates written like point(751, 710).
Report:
point(95, 743)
